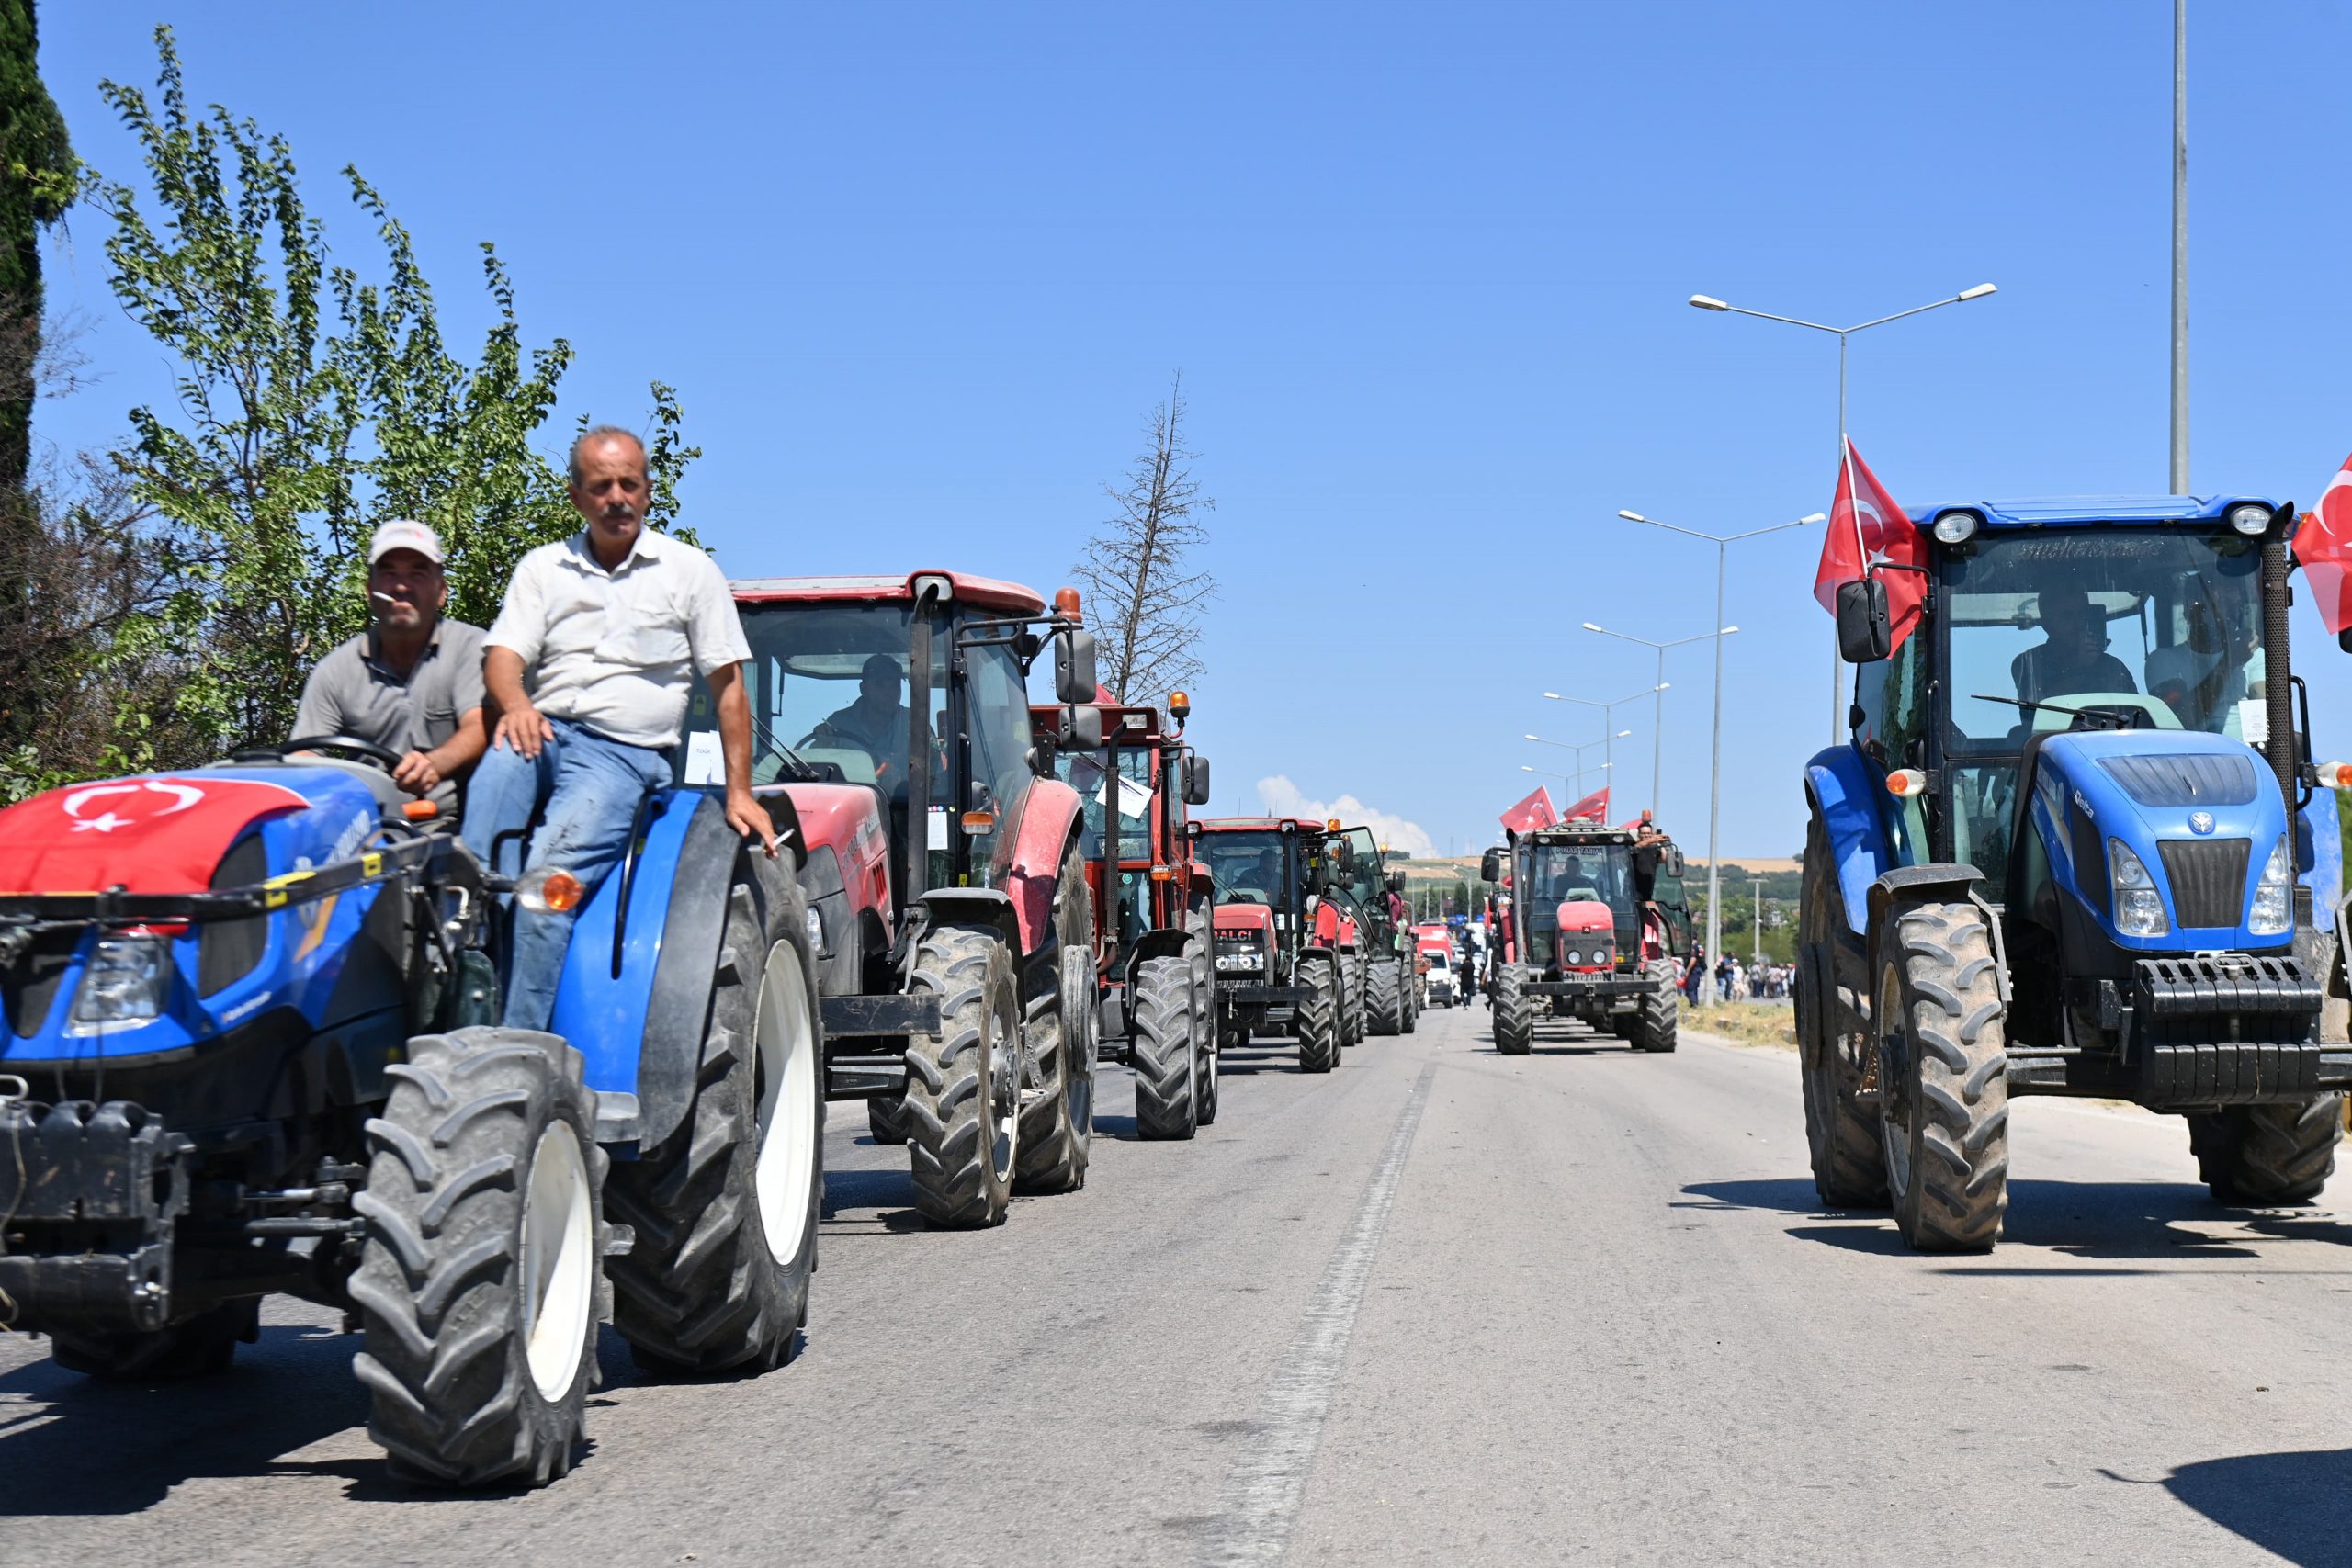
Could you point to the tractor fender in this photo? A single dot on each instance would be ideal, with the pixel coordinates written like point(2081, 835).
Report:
point(991, 907)
point(1049, 820)
point(640, 1030)
point(1918, 884)
point(1168, 942)
point(1843, 791)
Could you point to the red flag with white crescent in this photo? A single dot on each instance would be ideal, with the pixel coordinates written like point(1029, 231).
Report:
point(1593, 808)
point(1533, 812)
point(160, 834)
point(2323, 549)
point(1866, 527)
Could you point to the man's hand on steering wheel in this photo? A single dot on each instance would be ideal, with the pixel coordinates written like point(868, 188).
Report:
point(417, 774)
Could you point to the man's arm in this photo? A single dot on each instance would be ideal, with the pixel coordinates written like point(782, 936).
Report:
point(733, 700)
point(421, 773)
point(520, 726)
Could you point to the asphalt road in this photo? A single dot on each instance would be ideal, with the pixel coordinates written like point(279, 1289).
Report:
point(1440, 1306)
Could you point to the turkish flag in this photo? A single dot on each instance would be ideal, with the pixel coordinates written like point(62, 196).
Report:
point(163, 833)
point(1533, 812)
point(1866, 527)
point(1593, 808)
point(2323, 549)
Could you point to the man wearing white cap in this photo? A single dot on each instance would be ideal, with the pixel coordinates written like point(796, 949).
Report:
point(412, 683)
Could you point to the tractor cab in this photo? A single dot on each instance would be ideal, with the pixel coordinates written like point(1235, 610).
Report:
point(2076, 750)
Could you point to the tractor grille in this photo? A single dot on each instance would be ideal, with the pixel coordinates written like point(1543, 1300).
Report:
point(2207, 877)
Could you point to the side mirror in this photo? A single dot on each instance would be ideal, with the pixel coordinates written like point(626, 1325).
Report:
point(1674, 861)
point(1074, 670)
point(1082, 727)
point(1344, 858)
point(1490, 868)
point(1197, 780)
point(1864, 634)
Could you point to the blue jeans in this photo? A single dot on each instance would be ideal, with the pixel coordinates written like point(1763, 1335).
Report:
point(590, 788)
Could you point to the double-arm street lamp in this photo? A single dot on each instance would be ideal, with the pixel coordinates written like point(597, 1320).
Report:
point(1581, 748)
point(1707, 302)
point(1577, 778)
point(1608, 711)
point(1657, 717)
point(1722, 543)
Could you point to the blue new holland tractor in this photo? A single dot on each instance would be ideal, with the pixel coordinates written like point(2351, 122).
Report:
point(252, 1049)
point(2072, 848)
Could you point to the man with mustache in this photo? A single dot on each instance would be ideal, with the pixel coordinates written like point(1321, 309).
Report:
point(412, 683)
point(589, 667)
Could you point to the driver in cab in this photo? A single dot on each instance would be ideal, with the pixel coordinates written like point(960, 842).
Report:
point(412, 682)
point(2074, 661)
point(876, 721)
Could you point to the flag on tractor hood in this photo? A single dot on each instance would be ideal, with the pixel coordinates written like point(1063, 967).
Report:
point(2323, 549)
point(1533, 812)
point(1593, 808)
point(1866, 527)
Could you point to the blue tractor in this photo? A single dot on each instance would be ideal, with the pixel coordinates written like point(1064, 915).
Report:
point(252, 1049)
point(2072, 848)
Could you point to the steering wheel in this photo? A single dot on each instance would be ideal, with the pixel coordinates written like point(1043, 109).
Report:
point(382, 756)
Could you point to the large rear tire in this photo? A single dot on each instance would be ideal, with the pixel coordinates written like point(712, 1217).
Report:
point(2267, 1155)
point(1319, 1016)
point(204, 1346)
point(963, 1087)
point(1514, 1012)
point(1167, 1065)
point(1355, 1010)
point(725, 1208)
point(1057, 1101)
point(1836, 1063)
point(1657, 1025)
point(1945, 1063)
point(1384, 1001)
point(479, 1286)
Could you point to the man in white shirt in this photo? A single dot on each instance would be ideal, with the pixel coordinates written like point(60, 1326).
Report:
point(589, 667)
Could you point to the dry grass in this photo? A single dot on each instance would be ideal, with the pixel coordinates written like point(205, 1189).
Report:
point(1767, 1025)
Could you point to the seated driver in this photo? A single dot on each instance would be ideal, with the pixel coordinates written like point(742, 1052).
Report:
point(2074, 662)
point(590, 665)
point(876, 721)
point(412, 682)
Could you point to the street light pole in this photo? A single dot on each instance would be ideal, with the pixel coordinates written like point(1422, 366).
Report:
point(1722, 543)
point(1657, 717)
point(1607, 751)
point(2180, 247)
point(1609, 714)
point(1707, 303)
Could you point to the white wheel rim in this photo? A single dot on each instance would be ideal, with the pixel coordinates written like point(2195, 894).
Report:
point(786, 1172)
point(558, 1261)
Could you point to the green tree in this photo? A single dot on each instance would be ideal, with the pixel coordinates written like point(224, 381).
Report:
point(36, 183)
point(312, 404)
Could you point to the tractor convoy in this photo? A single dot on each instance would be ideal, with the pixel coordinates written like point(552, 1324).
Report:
point(252, 1045)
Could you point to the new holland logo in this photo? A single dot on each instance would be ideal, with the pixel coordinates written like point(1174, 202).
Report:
point(2200, 822)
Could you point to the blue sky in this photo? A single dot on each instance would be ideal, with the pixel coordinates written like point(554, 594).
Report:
point(919, 272)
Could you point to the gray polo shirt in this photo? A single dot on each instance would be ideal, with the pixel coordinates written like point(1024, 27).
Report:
point(351, 692)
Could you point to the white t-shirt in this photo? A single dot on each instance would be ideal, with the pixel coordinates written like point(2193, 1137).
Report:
point(617, 650)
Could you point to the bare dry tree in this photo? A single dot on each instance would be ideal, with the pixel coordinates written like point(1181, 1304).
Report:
point(1143, 605)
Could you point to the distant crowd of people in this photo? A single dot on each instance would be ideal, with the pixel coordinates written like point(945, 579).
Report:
point(1738, 982)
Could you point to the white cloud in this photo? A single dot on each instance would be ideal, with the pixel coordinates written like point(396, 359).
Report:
point(1282, 798)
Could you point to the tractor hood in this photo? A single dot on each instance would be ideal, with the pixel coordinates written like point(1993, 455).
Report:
point(1583, 916)
point(2200, 814)
point(1238, 920)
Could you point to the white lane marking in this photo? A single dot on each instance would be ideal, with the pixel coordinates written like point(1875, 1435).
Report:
point(1260, 1500)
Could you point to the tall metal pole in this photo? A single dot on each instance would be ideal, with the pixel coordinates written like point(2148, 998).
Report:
point(1756, 924)
point(2180, 247)
point(1657, 738)
point(1836, 662)
point(1715, 799)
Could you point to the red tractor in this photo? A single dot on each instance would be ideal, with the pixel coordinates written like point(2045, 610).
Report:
point(1153, 959)
point(946, 883)
point(1593, 922)
point(1278, 963)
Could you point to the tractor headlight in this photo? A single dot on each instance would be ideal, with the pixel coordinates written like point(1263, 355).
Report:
point(2249, 518)
point(1956, 527)
point(2274, 897)
point(125, 984)
point(2139, 908)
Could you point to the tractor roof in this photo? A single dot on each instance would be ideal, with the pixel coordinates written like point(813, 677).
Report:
point(1243, 824)
point(2091, 510)
point(988, 593)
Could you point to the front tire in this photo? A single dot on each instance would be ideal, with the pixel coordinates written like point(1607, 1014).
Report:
point(725, 1208)
point(2262, 1156)
point(1384, 1002)
point(478, 1287)
point(886, 1119)
point(1167, 1065)
point(1354, 1013)
point(1945, 1063)
point(964, 1088)
point(1514, 1012)
point(1317, 1021)
point(1058, 1121)
point(1206, 1013)
point(1655, 1028)
point(1836, 1065)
